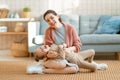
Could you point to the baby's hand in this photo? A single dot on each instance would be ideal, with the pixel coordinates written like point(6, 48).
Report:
point(52, 54)
point(63, 45)
point(45, 59)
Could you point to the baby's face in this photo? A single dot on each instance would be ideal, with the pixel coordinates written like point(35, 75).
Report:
point(45, 48)
point(42, 50)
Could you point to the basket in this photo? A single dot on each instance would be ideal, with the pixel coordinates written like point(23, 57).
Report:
point(19, 49)
point(3, 12)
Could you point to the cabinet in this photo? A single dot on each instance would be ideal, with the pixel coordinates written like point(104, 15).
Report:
point(10, 36)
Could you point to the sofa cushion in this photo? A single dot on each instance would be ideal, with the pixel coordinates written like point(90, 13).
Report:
point(100, 38)
point(88, 23)
point(71, 19)
point(108, 25)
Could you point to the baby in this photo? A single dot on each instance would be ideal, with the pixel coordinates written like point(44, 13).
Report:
point(53, 58)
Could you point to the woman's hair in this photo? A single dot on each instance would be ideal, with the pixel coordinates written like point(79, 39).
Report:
point(52, 12)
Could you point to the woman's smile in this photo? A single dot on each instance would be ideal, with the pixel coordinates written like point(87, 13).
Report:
point(52, 23)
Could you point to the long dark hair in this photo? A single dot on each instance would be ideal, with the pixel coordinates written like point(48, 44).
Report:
point(52, 12)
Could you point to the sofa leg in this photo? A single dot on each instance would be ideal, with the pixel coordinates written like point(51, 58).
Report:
point(118, 55)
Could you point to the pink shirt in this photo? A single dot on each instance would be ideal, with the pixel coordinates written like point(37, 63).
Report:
point(72, 38)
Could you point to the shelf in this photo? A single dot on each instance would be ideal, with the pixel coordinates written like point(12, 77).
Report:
point(14, 33)
point(16, 19)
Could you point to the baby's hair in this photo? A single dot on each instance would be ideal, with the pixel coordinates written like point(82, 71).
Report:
point(38, 58)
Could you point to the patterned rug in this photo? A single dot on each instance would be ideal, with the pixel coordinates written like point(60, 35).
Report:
point(16, 70)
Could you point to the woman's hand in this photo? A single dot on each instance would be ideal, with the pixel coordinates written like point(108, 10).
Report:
point(67, 52)
point(63, 45)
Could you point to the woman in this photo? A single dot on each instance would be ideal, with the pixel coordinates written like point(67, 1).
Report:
point(58, 33)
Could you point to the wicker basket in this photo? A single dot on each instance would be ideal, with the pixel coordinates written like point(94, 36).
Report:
point(3, 12)
point(19, 49)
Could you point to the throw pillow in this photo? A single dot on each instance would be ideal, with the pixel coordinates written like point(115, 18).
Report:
point(118, 32)
point(108, 25)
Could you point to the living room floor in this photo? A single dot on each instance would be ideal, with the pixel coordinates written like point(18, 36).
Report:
point(5, 55)
point(12, 68)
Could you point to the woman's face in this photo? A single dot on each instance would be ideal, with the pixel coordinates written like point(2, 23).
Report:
point(52, 20)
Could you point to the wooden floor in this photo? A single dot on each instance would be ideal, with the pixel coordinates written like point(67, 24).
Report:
point(103, 56)
point(5, 55)
point(16, 70)
point(12, 68)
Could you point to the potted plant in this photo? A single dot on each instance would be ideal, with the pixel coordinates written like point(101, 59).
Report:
point(26, 12)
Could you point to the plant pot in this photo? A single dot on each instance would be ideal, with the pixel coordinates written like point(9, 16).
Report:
point(26, 14)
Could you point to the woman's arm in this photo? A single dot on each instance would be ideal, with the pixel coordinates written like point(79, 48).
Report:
point(76, 41)
point(48, 38)
point(72, 39)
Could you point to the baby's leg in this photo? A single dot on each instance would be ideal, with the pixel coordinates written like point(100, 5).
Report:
point(66, 70)
point(54, 64)
point(87, 54)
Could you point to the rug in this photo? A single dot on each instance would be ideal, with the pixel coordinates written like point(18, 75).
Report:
point(16, 70)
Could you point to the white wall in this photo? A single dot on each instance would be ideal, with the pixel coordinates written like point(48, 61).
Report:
point(109, 7)
point(37, 6)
